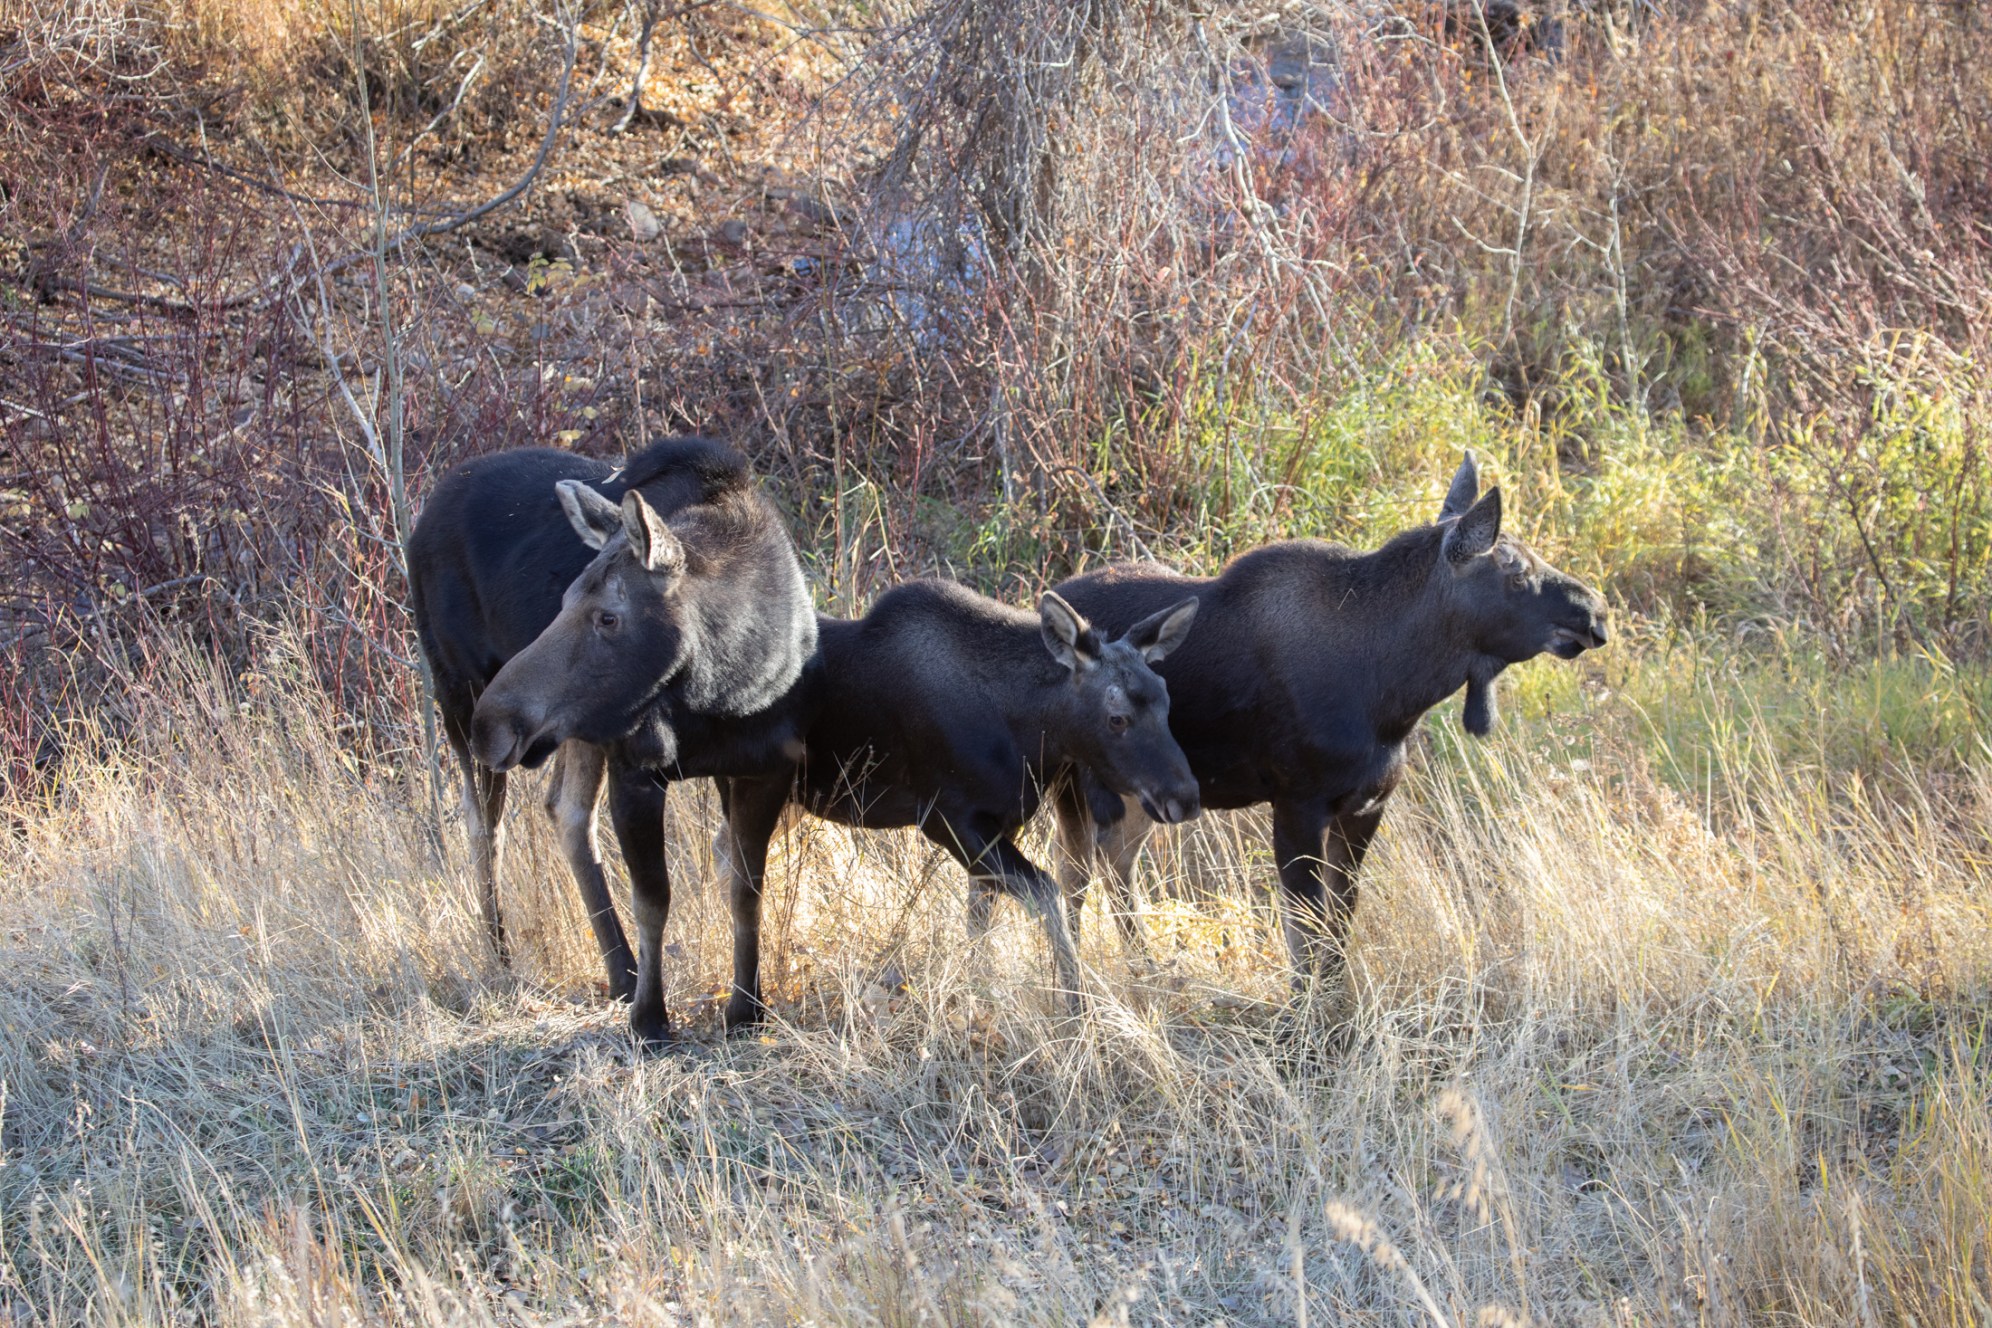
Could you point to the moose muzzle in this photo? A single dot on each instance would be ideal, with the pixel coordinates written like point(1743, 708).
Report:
point(501, 737)
point(1173, 803)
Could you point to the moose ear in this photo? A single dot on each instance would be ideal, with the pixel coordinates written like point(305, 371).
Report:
point(1069, 637)
point(1475, 532)
point(594, 518)
point(1159, 633)
point(655, 547)
point(1465, 488)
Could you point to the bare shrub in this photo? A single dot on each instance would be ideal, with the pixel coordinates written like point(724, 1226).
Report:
point(1112, 272)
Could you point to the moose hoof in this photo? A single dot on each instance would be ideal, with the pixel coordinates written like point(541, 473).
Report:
point(622, 988)
point(743, 1012)
point(1326, 994)
point(651, 1028)
point(1301, 1041)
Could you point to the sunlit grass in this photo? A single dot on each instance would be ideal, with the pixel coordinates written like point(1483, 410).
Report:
point(1719, 1025)
point(1864, 545)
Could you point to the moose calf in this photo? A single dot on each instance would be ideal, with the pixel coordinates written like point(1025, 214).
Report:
point(946, 710)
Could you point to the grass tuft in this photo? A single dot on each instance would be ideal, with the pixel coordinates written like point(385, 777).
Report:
point(260, 1066)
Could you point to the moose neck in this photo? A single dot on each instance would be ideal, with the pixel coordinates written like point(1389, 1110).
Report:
point(744, 662)
point(1416, 650)
point(1410, 677)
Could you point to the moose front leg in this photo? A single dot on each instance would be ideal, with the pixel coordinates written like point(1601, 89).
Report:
point(994, 863)
point(1318, 857)
point(1346, 844)
point(1312, 925)
point(982, 894)
point(1119, 842)
point(570, 801)
point(1095, 822)
point(1075, 852)
point(636, 809)
point(753, 809)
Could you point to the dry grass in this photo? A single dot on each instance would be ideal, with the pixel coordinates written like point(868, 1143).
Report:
point(1670, 1001)
point(1620, 1055)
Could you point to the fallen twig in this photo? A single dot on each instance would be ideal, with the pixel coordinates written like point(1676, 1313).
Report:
point(287, 282)
point(168, 148)
point(651, 18)
point(74, 623)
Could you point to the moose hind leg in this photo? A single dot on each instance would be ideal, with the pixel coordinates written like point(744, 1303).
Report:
point(484, 827)
point(571, 799)
point(636, 809)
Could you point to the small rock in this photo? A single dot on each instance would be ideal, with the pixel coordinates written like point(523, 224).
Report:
point(686, 166)
point(811, 211)
point(643, 224)
point(733, 231)
point(524, 245)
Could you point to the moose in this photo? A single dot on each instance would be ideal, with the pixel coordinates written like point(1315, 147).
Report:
point(1311, 667)
point(955, 713)
point(648, 624)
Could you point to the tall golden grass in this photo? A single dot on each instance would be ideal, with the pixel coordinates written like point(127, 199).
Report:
point(1669, 1001)
point(1625, 1049)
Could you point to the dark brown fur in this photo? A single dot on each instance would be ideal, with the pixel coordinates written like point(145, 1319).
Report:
point(1310, 667)
point(946, 710)
point(701, 674)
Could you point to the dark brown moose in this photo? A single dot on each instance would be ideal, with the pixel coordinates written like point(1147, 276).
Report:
point(951, 712)
point(1310, 666)
point(649, 623)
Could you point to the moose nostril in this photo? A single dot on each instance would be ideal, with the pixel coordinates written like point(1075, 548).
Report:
point(492, 741)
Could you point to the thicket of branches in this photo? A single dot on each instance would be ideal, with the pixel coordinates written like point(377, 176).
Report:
point(1068, 279)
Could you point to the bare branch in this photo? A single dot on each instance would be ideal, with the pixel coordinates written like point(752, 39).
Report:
point(290, 280)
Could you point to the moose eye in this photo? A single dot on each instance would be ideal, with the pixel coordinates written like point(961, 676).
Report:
point(607, 621)
point(1118, 723)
